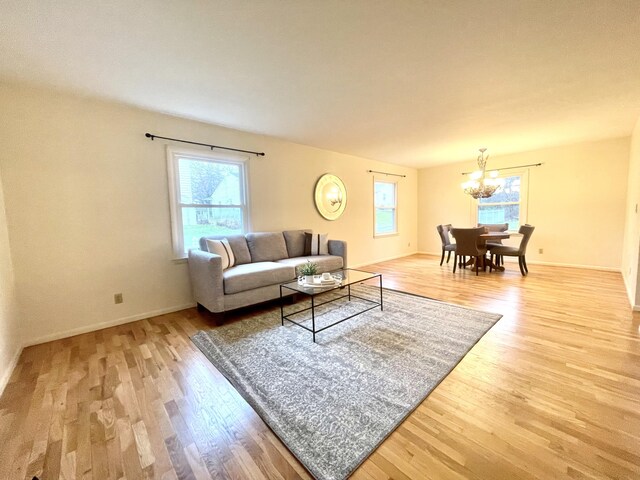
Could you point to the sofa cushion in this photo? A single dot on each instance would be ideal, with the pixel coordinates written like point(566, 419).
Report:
point(238, 246)
point(266, 246)
point(255, 275)
point(295, 242)
point(326, 263)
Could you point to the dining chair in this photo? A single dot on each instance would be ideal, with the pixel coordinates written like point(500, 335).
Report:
point(520, 251)
point(467, 245)
point(495, 227)
point(447, 246)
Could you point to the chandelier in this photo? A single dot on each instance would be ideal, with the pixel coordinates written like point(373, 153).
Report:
point(479, 186)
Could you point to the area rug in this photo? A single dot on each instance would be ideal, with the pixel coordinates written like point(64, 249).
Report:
point(333, 402)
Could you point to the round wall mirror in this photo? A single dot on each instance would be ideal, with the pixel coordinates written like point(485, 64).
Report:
point(330, 196)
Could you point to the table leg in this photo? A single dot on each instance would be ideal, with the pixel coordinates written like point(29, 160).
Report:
point(493, 265)
point(313, 319)
point(281, 307)
point(381, 306)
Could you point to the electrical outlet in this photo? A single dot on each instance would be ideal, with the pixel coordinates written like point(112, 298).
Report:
point(541, 250)
point(409, 244)
point(117, 298)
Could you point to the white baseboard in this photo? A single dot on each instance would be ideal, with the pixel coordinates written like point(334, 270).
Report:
point(573, 265)
point(550, 264)
point(383, 260)
point(107, 324)
point(6, 375)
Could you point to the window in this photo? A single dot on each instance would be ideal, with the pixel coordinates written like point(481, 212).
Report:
point(507, 205)
point(208, 197)
point(385, 206)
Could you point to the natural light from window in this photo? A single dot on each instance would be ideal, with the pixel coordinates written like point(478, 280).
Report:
point(504, 206)
point(385, 202)
point(208, 198)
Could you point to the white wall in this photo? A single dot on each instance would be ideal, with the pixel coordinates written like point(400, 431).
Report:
point(576, 201)
point(88, 213)
point(631, 252)
point(10, 341)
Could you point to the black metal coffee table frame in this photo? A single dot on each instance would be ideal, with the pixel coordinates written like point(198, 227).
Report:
point(312, 292)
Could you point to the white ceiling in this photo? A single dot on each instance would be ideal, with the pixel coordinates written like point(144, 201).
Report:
point(416, 83)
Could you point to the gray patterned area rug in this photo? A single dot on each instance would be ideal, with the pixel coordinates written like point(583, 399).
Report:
point(333, 402)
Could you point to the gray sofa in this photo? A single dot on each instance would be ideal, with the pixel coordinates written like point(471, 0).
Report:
point(264, 260)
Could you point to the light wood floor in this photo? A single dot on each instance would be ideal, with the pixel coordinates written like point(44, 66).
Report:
point(552, 391)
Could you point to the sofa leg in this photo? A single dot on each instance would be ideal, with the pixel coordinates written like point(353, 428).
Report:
point(216, 317)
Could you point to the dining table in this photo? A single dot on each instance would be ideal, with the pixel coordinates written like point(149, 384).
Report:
point(482, 241)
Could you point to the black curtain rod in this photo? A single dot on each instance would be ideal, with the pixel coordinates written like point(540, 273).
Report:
point(153, 137)
point(509, 168)
point(385, 173)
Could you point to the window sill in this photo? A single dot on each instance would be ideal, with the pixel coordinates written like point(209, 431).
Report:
point(384, 235)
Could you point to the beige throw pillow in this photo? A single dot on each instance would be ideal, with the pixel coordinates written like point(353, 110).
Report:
point(222, 248)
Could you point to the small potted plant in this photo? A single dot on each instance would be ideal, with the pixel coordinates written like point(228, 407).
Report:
point(308, 270)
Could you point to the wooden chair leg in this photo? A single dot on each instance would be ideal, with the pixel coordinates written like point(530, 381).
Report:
point(442, 257)
point(477, 264)
point(521, 266)
point(491, 263)
point(455, 262)
point(524, 262)
point(448, 255)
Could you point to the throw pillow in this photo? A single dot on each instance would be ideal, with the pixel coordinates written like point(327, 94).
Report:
point(222, 248)
point(316, 244)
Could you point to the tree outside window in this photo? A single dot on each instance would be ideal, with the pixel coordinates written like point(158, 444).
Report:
point(505, 206)
point(208, 198)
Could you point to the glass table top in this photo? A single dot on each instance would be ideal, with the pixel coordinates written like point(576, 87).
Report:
point(342, 278)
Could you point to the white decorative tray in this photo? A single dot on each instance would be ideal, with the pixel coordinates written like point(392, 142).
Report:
point(322, 283)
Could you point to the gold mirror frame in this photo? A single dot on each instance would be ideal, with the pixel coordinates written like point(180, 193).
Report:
point(330, 196)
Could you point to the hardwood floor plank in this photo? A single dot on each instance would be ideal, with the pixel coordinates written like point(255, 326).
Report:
point(551, 391)
point(179, 459)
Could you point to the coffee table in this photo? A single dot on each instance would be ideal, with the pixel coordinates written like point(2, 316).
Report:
point(348, 277)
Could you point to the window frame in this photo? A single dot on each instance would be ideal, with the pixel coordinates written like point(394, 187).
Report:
point(523, 203)
point(175, 205)
point(395, 208)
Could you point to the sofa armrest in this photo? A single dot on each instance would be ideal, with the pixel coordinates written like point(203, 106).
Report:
point(339, 248)
point(205, 271)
